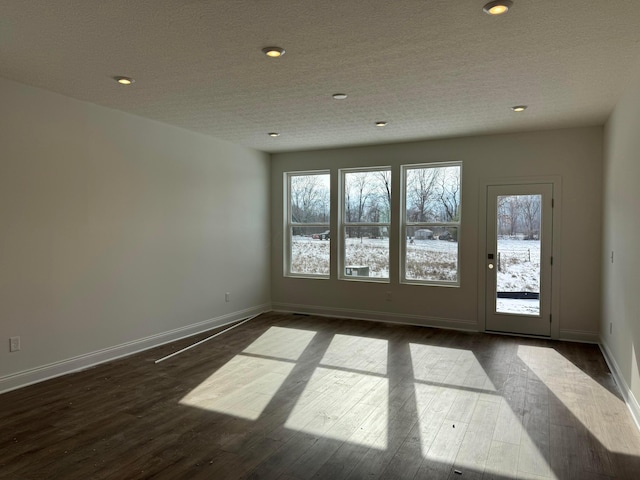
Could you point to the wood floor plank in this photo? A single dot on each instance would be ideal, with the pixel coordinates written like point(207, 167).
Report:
point(439, 459)
point(290, 396)
point(502, 461)
point(509, 425)
point(400, 423)
point(370, 434)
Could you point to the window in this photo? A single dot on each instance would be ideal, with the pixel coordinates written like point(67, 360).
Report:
point(365, 222)
point(431, 223)
point(308, 234)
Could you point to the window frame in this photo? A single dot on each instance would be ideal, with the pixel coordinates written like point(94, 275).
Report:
point(343, 224)
point(289, 224)
point(405, 224)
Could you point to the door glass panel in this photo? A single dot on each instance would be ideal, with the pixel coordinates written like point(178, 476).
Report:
point(518, 254)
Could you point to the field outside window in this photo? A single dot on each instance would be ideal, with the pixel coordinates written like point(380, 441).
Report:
point(431, 223)
point(309, 236)
point(366, 222)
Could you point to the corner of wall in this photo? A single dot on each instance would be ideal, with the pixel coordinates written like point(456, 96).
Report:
point(82, 362)
point(625, 390)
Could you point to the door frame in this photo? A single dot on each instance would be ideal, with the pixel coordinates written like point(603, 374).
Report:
point(556, 182)
point(504, 321)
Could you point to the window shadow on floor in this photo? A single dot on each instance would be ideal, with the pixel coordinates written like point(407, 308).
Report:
point(288, 396)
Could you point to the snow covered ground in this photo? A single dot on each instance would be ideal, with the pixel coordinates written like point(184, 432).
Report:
point(518, 306)
point(369, 252)
point(309, 256)
point(519, 266)
point(519, 271)
point(426, 259)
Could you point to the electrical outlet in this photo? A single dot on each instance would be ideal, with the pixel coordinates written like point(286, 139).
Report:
point(227, 297)
point(388, 296)
point(14, 344)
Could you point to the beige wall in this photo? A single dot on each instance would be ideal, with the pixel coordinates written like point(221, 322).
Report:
point(573, 154)
point(621, 278)
point(115, 228)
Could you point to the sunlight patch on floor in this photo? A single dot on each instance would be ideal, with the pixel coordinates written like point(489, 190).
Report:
point(246, 384)
point(586, 400)
point(343, 405)
point(347, 396)
point(242, 388)
point(464, 420)
point(431, 404)
point(450, 367)
point(279, 342)
point(357, 353)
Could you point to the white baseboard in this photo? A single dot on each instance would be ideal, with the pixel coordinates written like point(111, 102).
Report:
point(579, 336)
point(82, 362)
point(399, 318)
point(627, 394)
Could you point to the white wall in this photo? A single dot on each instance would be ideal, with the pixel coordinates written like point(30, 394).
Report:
point(115, 228)
point(573, 154)
point(621, 279)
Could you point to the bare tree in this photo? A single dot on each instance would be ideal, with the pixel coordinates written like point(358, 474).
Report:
point(309, 199)
point(384, 191)
point(367, 199)
point(503, 218)
point(357, 195)
point(509, 213)
point(421, 192)
point(530, 211)
point(449, 194)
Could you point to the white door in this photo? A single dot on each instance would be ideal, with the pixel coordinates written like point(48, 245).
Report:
point(518, 258)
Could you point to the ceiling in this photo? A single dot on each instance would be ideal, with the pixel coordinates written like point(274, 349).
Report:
point(430, 68)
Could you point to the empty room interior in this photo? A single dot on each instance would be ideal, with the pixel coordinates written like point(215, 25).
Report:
point(331, 240)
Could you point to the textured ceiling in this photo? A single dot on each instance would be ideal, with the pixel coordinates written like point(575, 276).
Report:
point(431, 68)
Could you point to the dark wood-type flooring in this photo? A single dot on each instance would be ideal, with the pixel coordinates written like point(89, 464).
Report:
point(299, 397)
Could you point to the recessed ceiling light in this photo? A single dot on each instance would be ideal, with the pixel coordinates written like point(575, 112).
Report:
point(273, 52)
point(273, 134)
point(497, 7)
point(381, 124)
point(124, 80)
point(339, 96)
point(519, 108)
